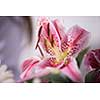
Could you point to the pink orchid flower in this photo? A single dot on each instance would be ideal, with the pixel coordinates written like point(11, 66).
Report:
point(58, 50)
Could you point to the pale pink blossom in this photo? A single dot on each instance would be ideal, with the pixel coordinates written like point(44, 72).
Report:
point(61, 47)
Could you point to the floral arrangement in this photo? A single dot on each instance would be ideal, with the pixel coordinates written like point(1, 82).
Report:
point(62, 54)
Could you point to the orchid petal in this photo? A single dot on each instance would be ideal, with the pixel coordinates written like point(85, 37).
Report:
point(72, 71)
point(77, 38)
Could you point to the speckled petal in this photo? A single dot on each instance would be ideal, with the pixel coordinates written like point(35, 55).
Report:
point(77, 38)
point(72, 71)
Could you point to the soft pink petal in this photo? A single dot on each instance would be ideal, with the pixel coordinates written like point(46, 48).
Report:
point(64, 43)
point(42, 72)
point(77, 38)
point(47, 32)
point(55, 34)
point(37, 73)
point(28, 62)
point(26, 75)
point(59, 28)
point(35, 68)
point(72, 71)
point(61, 32)
point(27, 67)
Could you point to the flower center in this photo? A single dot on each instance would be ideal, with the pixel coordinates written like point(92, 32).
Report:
point(60, 56)
point(56, 51)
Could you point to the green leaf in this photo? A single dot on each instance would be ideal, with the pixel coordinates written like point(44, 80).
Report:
point(81, 55)
point(93, 77)
point(29, 81)
point(56, 78)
